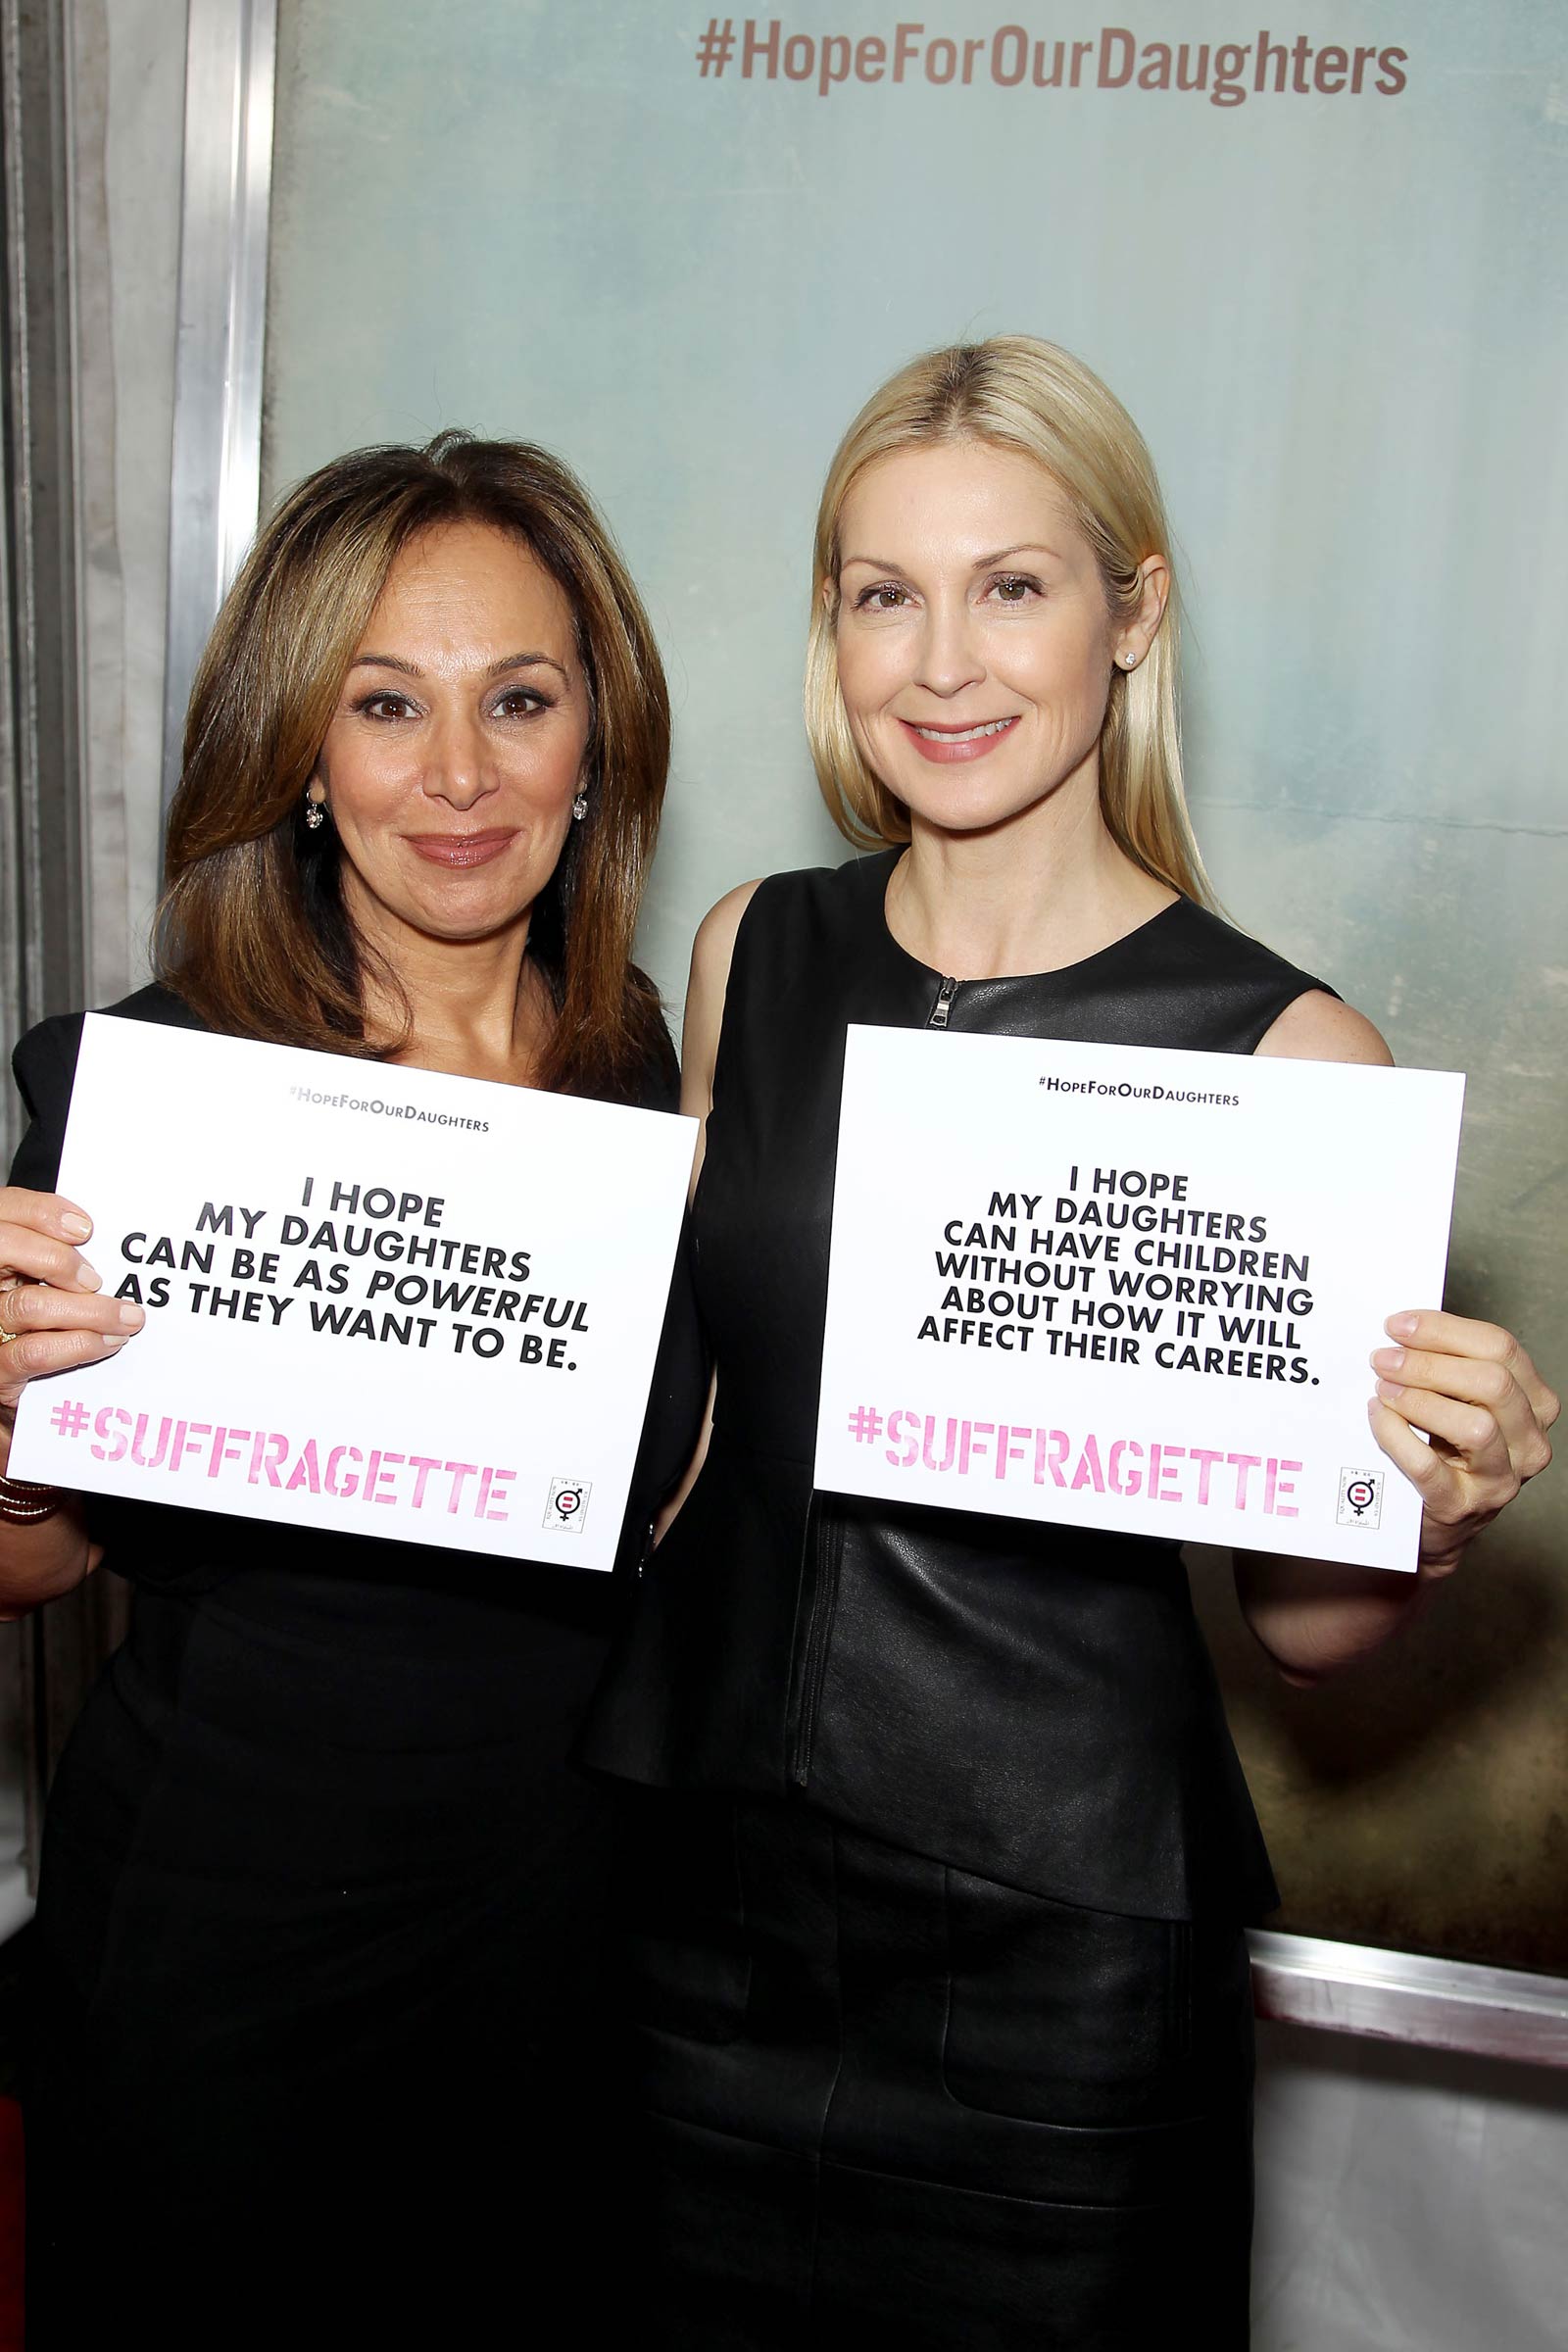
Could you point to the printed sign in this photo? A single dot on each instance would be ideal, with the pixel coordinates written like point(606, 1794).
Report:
point(379, 1299)
point(1128, 1288)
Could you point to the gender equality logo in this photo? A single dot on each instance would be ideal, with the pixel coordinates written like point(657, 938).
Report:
point(568, 1506)
point(1360, 1498)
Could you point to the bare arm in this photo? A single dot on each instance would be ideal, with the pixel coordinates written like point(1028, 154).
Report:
point(1469, 1386)
point(712, 952)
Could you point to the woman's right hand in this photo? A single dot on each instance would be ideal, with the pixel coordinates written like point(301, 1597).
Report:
point(53, 1311)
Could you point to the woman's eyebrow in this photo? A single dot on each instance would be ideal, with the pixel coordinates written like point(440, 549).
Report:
point(1027, 547)
point(411, 669)
point(526, 661)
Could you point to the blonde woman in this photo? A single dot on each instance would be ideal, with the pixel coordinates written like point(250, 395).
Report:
point(940, 1951)
point(322, 1903)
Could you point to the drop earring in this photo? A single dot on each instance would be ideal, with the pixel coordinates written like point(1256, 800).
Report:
point(314, 812)
point(579, 806)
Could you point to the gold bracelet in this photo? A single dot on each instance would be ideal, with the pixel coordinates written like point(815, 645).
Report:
point(24, 1505)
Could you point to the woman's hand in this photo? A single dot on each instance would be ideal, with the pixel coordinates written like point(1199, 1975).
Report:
point(1486, 1409)
point(53, 1311)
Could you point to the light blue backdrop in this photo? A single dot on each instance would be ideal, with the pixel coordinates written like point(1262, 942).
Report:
point(1340, 319)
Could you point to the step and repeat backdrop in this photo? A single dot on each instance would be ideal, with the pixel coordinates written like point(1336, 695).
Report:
point(1321, 256)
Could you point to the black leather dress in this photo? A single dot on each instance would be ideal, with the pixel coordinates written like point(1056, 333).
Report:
point(319, 2003)
point(938, 1925)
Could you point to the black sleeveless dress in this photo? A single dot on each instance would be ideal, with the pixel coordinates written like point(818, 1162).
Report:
point(936, 1929)
point(317, 1993)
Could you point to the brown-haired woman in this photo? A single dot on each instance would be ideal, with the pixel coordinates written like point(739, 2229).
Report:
point(319, 1905)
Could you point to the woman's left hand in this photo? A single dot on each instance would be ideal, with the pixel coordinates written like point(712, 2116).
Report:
point(1486, 1409)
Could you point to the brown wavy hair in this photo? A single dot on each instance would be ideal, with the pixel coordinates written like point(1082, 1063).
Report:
point(252, 931)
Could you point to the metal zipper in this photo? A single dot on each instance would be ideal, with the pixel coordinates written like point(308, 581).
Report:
point(828, 1549)
point(943, 1005)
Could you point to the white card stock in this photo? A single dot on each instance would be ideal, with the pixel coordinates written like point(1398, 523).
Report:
point(1127, 1287)
point(379, 1299)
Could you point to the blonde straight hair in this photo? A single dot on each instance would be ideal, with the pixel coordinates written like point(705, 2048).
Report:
point(1017, 393)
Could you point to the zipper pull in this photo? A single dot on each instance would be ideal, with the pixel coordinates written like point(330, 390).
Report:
point(940, 1009)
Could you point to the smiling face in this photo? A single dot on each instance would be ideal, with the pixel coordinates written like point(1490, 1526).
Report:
point(975, 646)
point(457, 747)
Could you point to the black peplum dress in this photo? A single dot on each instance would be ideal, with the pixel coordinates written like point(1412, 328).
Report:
point(317, 1998)
point(945, 1851)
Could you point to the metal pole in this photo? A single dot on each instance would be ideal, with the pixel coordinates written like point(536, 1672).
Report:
point(231, 73)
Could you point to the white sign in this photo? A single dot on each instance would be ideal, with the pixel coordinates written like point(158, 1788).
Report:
point(379, 1299)
point(1128, 1288)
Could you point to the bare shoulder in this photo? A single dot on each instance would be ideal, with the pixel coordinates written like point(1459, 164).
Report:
point(1317, 1027)
point(711, 953)
point(714, 944)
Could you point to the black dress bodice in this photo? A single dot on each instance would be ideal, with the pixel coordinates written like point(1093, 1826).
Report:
point(1031, 1702)
point(277, 1573)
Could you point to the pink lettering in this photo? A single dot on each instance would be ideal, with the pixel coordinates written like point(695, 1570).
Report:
point(971, 1443)
point(306, 1471)
point(459, 1473)
point(1088, 1472)
point(1051, 1451)
point(225, 1448)
point(268, 1451)
point(1159, 1460)
point(1242, 1464)
point(1007, 1451)
point(1133, 1483)
point(490, 1483)
point(1205, 1462)
point(112, 1449)
point(341, 1483)
point(378, 1475)
point(1276, 1483)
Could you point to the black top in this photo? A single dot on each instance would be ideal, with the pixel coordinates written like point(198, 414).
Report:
point(407, 1593)
point(317, 1956)
point(1031, 1702)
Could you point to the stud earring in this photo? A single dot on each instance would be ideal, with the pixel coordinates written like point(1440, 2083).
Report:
point(579, 806)
point(314, 813)
point(1130, 660)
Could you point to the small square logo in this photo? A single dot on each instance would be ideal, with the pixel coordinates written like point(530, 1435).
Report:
point(569, 1501)
point(1360, 1498)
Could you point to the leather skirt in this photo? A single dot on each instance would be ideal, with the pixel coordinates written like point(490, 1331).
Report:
point(886, 2101)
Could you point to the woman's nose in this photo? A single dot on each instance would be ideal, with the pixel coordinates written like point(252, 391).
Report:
point(950, 655)
point(457, 769)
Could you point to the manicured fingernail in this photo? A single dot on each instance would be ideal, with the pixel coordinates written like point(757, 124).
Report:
point(112, 1341)
point(131, 1315)
point(88, 1276)
point(1388, 1391)
point(1401, 1327)
point(1386, 1359)
point(77, 1226)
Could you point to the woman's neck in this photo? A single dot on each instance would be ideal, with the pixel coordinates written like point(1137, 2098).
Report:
point(476, 1007)
point(1034, 895)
